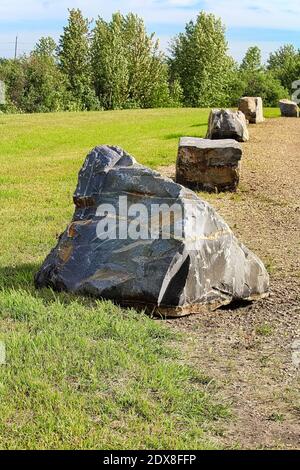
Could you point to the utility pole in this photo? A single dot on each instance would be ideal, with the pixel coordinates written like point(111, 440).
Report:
point(16, 47)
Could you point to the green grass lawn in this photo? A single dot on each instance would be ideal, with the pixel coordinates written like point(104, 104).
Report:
point(80, 373)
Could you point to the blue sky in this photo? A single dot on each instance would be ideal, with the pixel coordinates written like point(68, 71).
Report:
point(267, 23)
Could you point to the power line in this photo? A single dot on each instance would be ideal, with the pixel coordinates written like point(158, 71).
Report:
point(13, 48)
point(19, 42)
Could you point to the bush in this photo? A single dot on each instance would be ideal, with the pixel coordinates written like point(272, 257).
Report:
point(264, 84)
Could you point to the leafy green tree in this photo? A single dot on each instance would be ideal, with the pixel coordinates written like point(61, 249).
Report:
point(129, 71)
point(267, 86)
point(235, 85)
point(258, 81)
point(46, 85)
point(285, 65)
point(75, 60)
point(200, 60)
point(46, 47)
point(252, 60)
point(13, 73)
point(109, 63)
point(34, 83)
point(176, 93)
point(148, 72)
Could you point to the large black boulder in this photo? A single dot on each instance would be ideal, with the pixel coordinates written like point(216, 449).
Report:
point(174, 263)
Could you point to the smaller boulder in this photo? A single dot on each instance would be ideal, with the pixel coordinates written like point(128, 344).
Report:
point(288, 108)
point(208, 165)
point(252, 108)
point(227, 124)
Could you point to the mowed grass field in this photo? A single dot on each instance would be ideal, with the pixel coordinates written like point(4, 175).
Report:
point(82, 373)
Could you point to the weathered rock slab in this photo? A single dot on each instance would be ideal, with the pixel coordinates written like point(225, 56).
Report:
point(208, 165)
point(183, 261)
point(288, 108)
point(252, 108)
point(227, 124)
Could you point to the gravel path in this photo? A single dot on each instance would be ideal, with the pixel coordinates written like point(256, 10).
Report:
point(248, 351)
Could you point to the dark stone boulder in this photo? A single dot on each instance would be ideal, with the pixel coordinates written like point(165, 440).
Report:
point(288, 108)
point(142, 240)
point(227, 124)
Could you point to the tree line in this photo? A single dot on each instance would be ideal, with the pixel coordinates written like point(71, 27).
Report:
point(116, 64)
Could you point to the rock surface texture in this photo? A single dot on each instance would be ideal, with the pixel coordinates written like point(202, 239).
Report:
point(204, 267)
point(208, 165)
point(288, 108)
point(252, 108)
point(227, 124)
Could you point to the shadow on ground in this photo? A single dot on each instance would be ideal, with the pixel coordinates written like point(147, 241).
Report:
point(18, 277)
point(22, 278)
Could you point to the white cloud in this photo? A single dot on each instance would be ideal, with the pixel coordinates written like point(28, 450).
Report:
point(284, 14)
point(168, 11)
point(170, 14)
point(271, 14)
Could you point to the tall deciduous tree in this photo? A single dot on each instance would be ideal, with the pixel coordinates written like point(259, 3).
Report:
point(129, 70)
point(74, 57)
point(258, 81)
point(201, 62)
point(109, 63)
point(45, 89)
point(148, 74)
point(252, 61)
point(46, 47)
point(285, 65)
point(13, 73)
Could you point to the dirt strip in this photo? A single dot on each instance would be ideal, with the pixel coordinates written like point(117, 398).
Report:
point(250, 352)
